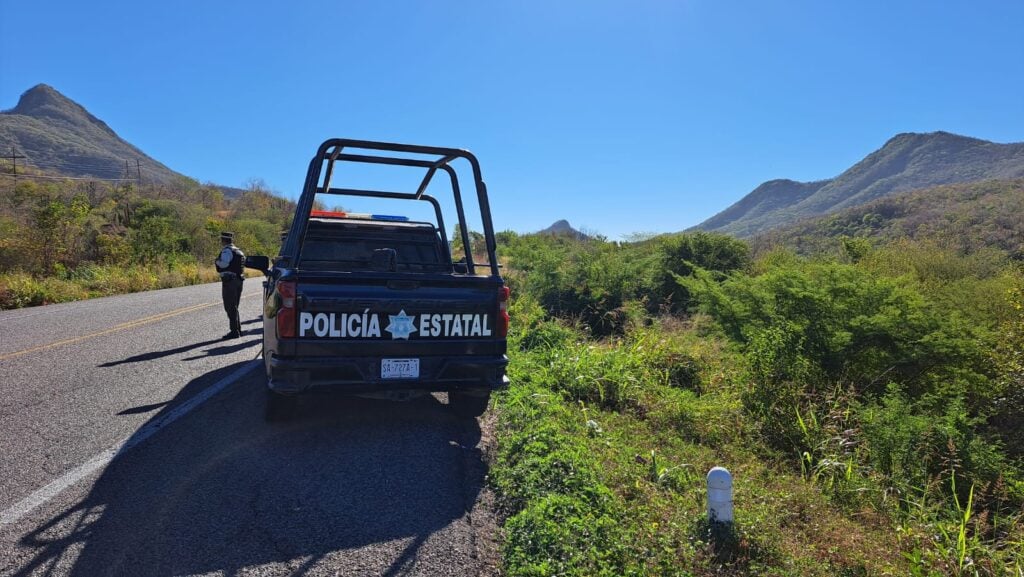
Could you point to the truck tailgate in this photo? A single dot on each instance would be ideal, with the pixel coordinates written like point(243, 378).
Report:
point(422, 317)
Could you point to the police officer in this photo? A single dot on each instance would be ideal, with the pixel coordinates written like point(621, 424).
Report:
point(229, 266)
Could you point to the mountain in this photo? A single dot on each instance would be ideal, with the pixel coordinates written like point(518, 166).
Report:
point(774, 196)
point(906, 162)
point(562, 227)
point(57, 135)
point(969, 216)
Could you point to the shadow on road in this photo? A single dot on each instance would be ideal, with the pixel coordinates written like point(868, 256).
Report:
point(351, 481)
point(152, 355)
point(225, 349)
point(143, 408)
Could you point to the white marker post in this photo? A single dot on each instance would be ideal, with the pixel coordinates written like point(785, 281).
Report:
point(719, 495)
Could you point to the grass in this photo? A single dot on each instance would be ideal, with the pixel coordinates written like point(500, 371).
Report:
point(603, 451)
point(18, 289)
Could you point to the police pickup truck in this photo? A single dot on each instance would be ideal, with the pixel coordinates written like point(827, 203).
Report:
point(372, 304)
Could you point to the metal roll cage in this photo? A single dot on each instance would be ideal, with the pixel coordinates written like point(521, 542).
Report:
point(332, 152)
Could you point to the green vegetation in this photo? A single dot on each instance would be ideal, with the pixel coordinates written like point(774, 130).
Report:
point(63, 239)
point(869, 406)
point(969, 217)
point(603, 285)
point(69, 240)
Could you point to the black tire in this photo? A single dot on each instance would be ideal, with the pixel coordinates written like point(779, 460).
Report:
point(469, 405)
point(279, 407)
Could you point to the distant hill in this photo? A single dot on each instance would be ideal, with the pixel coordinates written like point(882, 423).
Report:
point(562, 227)
point(59, 136)
point(968, 216)
point(771, 198)
point(906, 162)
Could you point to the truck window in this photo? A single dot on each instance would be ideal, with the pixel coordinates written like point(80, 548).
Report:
point(347, 246)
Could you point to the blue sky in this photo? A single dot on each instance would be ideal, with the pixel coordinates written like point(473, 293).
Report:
point(622, 117)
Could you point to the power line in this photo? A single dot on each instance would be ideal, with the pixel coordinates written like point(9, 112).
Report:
point(110, 167)
point(95, 168)
point(17, 176)
point(73, 172)
point(83, 173)
point(92, 163)
point(95, 173)
point(72, 165)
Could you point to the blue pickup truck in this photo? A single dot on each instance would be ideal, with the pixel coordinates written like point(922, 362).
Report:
point(374, 304)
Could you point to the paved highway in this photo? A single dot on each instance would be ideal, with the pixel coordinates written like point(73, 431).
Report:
point(132, 443)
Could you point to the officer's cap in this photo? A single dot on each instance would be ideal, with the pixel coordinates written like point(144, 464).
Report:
point(228, 236)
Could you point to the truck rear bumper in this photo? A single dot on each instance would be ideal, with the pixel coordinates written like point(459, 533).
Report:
point(357, 375)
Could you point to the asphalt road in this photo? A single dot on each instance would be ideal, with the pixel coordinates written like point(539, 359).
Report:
point(132, 443)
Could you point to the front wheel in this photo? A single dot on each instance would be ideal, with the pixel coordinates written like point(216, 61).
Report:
point(468, 405)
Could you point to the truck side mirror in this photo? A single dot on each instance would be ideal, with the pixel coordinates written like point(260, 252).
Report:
point(258, 262)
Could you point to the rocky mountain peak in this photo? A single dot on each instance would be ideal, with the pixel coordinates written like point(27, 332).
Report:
point(45, 101)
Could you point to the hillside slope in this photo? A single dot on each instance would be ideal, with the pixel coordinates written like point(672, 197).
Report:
point(59, 136)
point(772, 197)
point(906, 162)
point(969, 216)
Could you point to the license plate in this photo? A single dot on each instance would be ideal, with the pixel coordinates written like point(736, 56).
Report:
point(399, 368)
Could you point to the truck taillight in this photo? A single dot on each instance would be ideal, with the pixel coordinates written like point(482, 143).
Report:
point(503, 318)
point(286, 314)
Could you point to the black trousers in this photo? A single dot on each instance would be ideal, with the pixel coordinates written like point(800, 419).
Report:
point(231, 291)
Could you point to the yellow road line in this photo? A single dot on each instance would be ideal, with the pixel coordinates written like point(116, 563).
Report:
point(120, 327)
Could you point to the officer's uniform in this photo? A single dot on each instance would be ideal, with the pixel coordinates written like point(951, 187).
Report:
point(229, 266)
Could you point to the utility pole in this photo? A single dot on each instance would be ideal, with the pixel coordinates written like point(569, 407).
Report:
point(138, 174)
point(14, 164)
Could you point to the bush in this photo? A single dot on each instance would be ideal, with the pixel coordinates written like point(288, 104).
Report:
point(18, 289)
point(533, 330)
point(1007, 419)
point(682, 254)
point(562, 518)
point(604, 285)
point(866, 380)
point(826, 322)
point(918, 449)
point(544, 464)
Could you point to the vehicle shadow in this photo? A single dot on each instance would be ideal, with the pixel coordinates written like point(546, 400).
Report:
point(356, 484)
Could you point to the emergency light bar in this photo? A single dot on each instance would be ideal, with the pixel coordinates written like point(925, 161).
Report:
point(362, 215)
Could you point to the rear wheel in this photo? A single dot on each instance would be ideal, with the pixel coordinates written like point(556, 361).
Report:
point(468, 404)
point(279, 407)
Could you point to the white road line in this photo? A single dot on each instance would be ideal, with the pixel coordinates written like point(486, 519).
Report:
point(58, 485)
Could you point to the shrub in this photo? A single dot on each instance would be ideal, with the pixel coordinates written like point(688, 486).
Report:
point(682, 254)
point(917, 449)
point(838, 323)
point(561, 535)
point(605, 285)
point(562, 518)
point(18, 289)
